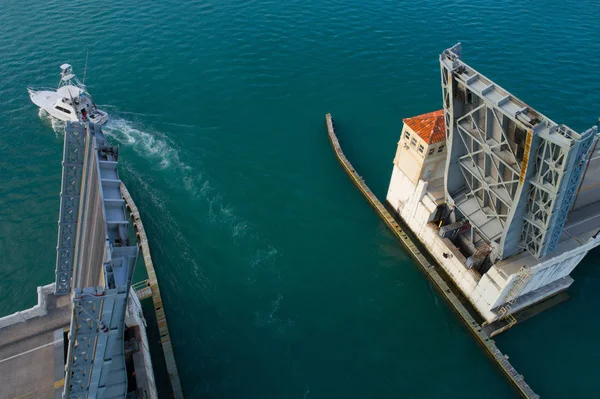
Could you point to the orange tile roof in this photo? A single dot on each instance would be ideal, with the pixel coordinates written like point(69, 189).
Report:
point(430, 127)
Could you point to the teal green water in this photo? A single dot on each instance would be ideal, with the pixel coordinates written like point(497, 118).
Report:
point(278, 279)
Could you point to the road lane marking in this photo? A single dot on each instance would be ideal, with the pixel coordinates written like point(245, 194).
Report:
point(30, 350)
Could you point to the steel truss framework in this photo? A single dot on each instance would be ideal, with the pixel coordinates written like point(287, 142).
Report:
point(559, 168)
point(490, 168)
point(73, 155)
point(511, 171)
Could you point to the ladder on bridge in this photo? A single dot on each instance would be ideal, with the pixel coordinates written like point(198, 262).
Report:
point(504, 312)
point(142, 289)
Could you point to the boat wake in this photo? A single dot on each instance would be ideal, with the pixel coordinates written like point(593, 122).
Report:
point(263, 257)
point(57, 125)
point(170, 228)
point(157, 147)
point(204, 193)
point(146, 144)
point(270, 319)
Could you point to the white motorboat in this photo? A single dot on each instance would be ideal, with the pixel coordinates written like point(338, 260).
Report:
point(70, 101)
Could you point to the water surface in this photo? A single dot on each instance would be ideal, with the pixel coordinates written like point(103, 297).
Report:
point(278, 279)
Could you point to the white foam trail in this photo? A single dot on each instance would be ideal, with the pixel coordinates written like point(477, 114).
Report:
point(267, 318)
point(264, 319)
point(275, 306)
point(145, 143)
point(57, 125)
point(264, 259)
point(219, 212)
point(262, 256)
point(156, 147)
point(239, 230)
point(169, 223)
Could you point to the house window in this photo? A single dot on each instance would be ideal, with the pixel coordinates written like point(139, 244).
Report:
point(441, 148)
point(413, 142)
point(407, 135)
point(421, 148)
point(431, 151)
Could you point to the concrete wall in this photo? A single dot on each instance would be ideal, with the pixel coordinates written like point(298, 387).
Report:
point(36, 311)
point(142, 360)
point(417, 209)
point(434, 162)
point(555, 268)
point(487, 292)
point(428, 164)
point(407, 155)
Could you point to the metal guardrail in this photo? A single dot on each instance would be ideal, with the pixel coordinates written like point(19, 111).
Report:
point(142, 289)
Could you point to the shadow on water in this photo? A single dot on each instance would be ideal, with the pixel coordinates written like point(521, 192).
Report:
point(161, 375)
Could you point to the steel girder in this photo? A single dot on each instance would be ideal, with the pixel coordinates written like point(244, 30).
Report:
point(72, 167)
point(510, 170)
point(559, 169)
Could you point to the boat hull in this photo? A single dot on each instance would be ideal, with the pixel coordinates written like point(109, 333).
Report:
point(47, 100)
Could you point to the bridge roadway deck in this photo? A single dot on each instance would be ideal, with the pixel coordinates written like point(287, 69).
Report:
point(431, 272)
point(32, 353)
